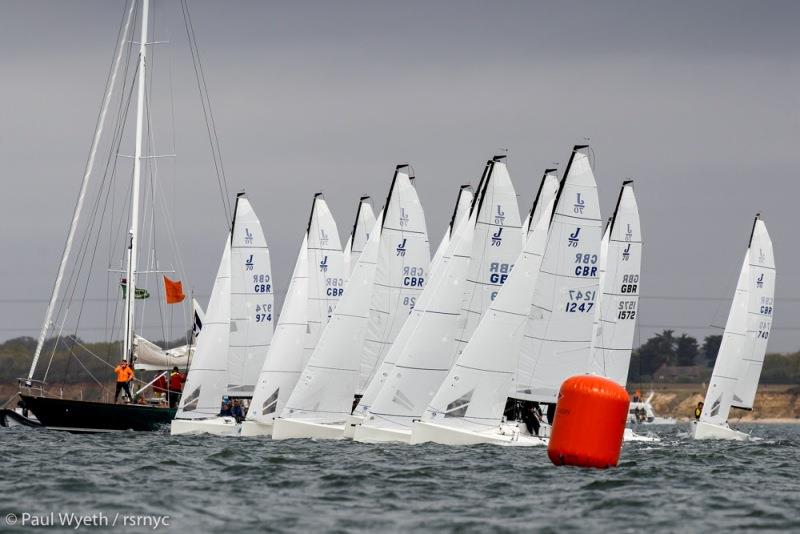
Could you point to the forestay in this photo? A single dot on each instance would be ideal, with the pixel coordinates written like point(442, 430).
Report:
point(401, 273)
point(617, 309)
point(252, 300)
point(559, 332)
point(208, 376)
point(473, 395)
point(426, 346)
point(324, 393)
point(744, 342)
point(285, 357)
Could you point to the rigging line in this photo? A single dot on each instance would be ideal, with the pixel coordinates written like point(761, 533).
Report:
point(221, 180)
point(208, 98)
point(113, 69)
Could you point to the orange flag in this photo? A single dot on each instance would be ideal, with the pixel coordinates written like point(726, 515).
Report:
point(174, 291)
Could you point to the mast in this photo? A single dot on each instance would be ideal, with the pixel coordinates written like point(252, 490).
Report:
point(133, 238)
point(48, 316)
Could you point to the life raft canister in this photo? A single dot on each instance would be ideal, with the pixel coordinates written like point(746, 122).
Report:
point(589, 424)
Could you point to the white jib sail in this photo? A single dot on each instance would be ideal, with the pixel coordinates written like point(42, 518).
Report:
point(365, 220)
point(402, 270)
point(474, 393)
point(620, 271)
point(426, 346)
point(285, 357)
point(460, 211)
point(207, 380)
point(744, 343)
point(495, 246)
point(558, 337)
point(324, 393)
point(325, 272)
point(252, 300)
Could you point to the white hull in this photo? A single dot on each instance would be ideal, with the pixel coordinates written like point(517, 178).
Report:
point(630, 435)
point(350, 425)
point(296, 429)
point(372, 434)
point(507, 435)
point(702, 430)
point(218, 426)
point(256, 428)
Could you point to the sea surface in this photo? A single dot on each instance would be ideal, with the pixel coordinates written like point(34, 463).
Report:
point(217, 484)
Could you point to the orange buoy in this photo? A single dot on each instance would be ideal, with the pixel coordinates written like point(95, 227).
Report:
point(589, 423)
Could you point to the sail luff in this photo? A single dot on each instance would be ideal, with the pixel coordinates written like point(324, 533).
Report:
point(73, 227)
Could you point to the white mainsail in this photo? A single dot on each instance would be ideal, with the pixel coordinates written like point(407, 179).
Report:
point(495, 245)
point(744, 343)
point(285, 356)
point(402, 270)
point(365, 220)
point(474, 393)
point(252, 300)
point(325, 273)
point(619, 281)
point(426, 346)
point(208, 376)
point(558, 336)
point(150, 357)
point(461, 210)
point(324, 393)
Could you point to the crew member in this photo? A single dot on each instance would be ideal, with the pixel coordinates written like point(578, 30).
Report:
point(698, 411)
point(176, 380)
point(236, 411)
point(124, 376)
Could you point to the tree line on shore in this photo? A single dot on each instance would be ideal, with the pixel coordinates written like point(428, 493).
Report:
point(665, 357)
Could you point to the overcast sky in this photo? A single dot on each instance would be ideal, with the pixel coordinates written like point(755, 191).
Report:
point(698, 102)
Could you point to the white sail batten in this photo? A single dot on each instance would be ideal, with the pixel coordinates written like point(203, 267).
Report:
point(324, 393)
point(207, 380)
point(426, 346)
point(460, 212)
point(744, 342)
point(558, 336)
point(473, 395)
point(495, 246)
point(401, 272)
point(365, 221)
point(252, 300)
point(284, 359)
point(619, 282)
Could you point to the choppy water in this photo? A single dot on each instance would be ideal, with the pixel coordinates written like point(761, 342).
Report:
point(251, 484)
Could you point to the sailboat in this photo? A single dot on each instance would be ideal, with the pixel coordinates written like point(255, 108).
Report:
point(365, 220)
point(619, 280)
point(323, 398)
point(462, 286)
point(468, 406)
point(558, 337)
point(401, 275)
point(744, 343)
point(79, 415)
point(237, 331)
point(314, 293)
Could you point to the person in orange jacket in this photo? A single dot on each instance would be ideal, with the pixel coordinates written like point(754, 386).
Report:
point(176, 380)
point(124, 376)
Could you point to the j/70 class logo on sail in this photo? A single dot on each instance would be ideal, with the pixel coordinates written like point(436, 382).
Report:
point(500, 216)
point(248, 237)
point(401, 248)
point(574, 238)
point(579, 204)
point(497, 238)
